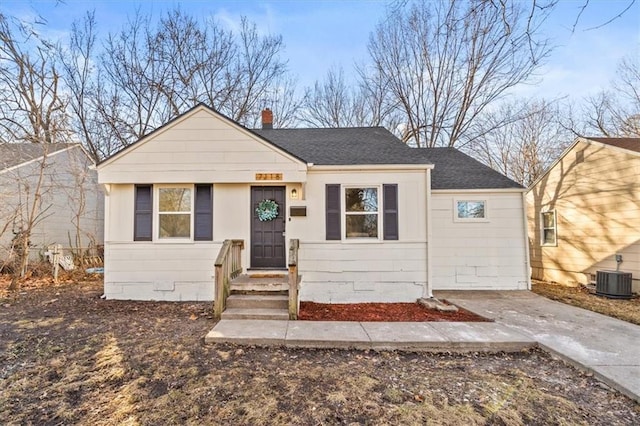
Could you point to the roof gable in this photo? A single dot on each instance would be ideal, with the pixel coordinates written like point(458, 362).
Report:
point(629, 145)
point(200, 146)
point(186, 116)
point(14, 155)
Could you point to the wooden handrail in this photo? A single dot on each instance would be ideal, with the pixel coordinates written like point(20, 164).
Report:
point(294, 279)
point(228, 265)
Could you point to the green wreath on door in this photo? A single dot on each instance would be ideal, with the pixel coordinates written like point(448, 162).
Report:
point(267, 210)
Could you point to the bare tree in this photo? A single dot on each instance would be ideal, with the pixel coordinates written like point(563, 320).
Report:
point(334, 102)
point(31, 108)
point(148, 74)
point(445, 62)
point(29, 184)
point(616, 112)
point(78, 72)
point(527, 137)
point(331, 103)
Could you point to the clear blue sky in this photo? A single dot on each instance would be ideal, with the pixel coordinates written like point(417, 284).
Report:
point(319, 34)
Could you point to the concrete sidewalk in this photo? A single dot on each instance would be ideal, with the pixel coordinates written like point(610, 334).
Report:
point(607, 347)
point(427, 336)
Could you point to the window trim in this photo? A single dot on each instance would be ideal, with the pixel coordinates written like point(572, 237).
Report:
point(157, 213)
point(457, 218)
point(344, 213)
point(543, 228)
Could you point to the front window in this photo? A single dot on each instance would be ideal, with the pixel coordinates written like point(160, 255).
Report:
point(174, 212)
point(361, 212)
point(471, 209)
point(549, 229)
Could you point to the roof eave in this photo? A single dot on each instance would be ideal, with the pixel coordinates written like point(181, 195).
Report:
point(356, 167)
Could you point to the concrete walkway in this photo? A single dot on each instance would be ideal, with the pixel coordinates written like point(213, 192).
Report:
point(607, 347)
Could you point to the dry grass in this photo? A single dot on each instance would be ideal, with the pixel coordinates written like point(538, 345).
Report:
point(83, 360)
point(626, 310)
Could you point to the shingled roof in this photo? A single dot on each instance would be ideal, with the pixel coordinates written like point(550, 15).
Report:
point(456, 170)
point(14, 154)
point(632, 144)
point(342, 146)
point(376, 145)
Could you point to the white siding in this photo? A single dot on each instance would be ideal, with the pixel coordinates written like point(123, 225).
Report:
point(378, 271)
point(332, 271)
point(148, 271)
point(489, 255)
point(200, 147)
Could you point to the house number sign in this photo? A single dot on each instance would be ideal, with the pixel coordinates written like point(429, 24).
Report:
point(268, 176)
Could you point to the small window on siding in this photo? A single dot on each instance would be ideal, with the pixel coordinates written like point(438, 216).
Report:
point(549, 232)
point(470, 210)
point(580, 156)
point(143, 213)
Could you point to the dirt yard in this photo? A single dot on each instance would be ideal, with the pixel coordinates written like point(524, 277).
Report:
point(68, 357)
point(626, 310)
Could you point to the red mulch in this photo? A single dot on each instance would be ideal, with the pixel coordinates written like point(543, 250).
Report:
point(388, 312)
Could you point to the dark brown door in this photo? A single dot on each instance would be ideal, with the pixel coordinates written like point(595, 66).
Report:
point(267, 236)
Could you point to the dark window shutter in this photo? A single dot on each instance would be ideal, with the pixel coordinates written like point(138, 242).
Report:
point(333, 231)
point(203, 214)
point(390, 201)
point(143, 214)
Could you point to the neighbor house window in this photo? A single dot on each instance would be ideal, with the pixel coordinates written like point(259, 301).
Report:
point(174, 212)
point(549, 228)
point(361, 212)
point(470, 210)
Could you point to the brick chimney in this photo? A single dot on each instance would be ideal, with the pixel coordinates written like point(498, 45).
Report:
point(267, 119)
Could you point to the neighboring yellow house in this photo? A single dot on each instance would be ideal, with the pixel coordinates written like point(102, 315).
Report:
point(586, 209)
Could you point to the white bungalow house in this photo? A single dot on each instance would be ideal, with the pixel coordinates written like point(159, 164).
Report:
point(375, 219)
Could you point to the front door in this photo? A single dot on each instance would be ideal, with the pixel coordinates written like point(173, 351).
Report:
point(267, 228)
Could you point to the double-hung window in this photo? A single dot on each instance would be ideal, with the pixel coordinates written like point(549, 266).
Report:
point(180, 212)
point(549, 228)
point(174, 212)
point(361, 212)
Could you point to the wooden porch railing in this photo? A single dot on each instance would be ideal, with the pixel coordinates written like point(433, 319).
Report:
point(228, 266)
point(294, 278)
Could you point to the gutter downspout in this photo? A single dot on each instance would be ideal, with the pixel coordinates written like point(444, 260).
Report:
point(527, 261)
point(429, 288)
